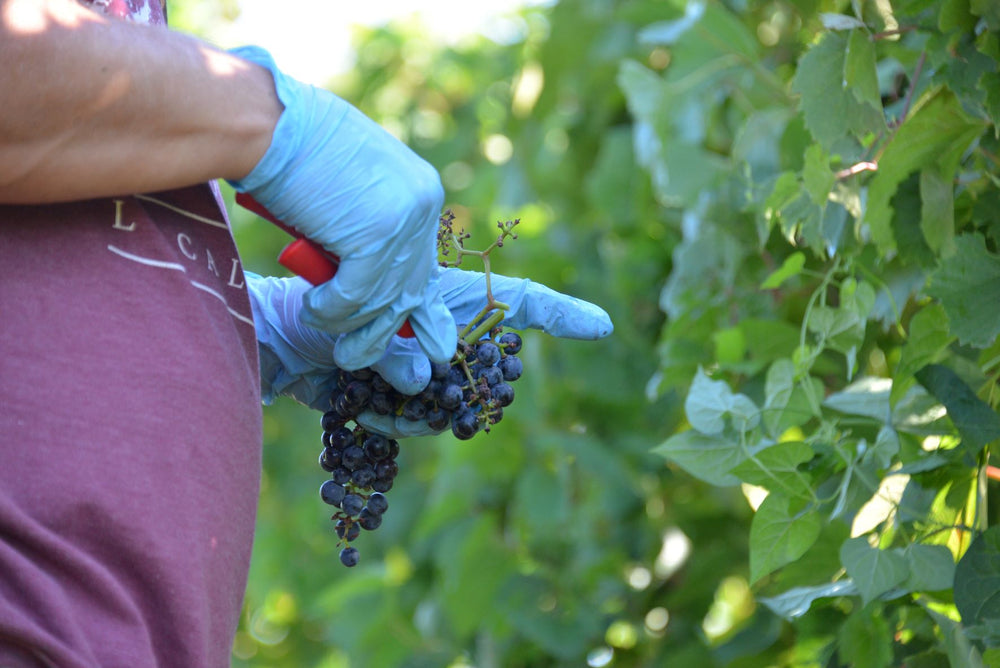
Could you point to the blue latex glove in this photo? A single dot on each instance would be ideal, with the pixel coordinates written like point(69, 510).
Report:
point(341, 180)
point(298, 360)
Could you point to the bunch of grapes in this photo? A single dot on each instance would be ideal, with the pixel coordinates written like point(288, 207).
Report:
point(468, 395)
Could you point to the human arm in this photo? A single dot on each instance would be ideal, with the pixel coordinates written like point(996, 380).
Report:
point(96, 107)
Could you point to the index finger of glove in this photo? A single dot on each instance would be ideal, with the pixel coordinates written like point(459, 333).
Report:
point(532, 305)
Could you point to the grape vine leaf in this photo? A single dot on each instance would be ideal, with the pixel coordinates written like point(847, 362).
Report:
point(796, 602)
point(874, 571)
point(865, 639)
point(968, 286)
point(775, 468)
point(708, 458)
point(937, 132)
point(927, 341)
point(977, 579)
point(781, 531)
point(937, 210)
point(977, 423)
point(860, 73)
point(830, 108)
point(932, 567)
point(710, 402)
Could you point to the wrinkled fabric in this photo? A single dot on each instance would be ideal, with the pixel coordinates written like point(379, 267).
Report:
point(130, 431)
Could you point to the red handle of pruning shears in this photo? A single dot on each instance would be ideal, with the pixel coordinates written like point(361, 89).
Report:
point(304, 257)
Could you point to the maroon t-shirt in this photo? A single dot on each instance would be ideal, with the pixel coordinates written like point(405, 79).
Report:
point(130, 425)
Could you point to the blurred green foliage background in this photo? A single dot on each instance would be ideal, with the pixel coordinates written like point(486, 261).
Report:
point(560, 539)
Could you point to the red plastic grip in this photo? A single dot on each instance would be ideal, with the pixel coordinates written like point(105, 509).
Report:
point(303, 257)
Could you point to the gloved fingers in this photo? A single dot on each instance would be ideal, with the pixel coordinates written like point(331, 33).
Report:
point(533, 305)
point(366, 345)
point(392, 426)
point(404, 366)
point(341, 304)
point(434, 327)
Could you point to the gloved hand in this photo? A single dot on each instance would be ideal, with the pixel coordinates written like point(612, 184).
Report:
point(344, 182)
point(298, 361)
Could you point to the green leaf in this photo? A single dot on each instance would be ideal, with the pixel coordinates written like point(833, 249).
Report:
point(708, 458)
point(832, 21)
point(866, 396)
point(817, 177)
point(977, 579)
point(937, 132)
point(978, 424)
point(937, 211)
point(792, 266)
point(932, 567)
point(968, 285)
point(926, 343)
point(830, 108)
point(710, 402)
point(775, 468)
point(860, 71)
point(874, 571)
point(961, 652)
point(796, 602)
point(865, 639)
point(781, 531)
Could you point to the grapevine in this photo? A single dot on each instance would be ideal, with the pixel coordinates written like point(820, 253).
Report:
point(468, 394)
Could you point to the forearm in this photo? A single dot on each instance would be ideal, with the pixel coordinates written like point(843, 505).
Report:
point(95, 107)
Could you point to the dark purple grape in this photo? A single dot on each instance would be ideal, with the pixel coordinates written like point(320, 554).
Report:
point(377, 503)
point(438, 418)
point(511, 367)
point(357, 394)
point(386, 469)
point(376, 447)
point(439, 370)
point(487, 353)
point(341, 475)
point(380, 384)
point(352, 504)
point(465, 425)
point(449, 397)
point(393, 448)
point(369, 520)
point(332, 493)
point(495, 415)
point(342, 439)
point(456, 377)
point(380, 403)
point(491, 374)
point(503, 394)
point(344, 379)
point(332, 421)
point(510, 342)
point(363, 476)
point(349, 556)
point(353, 457)
point(329, 459)
point(414, 410)
point(362, 374)
point(382, 485)
point(348, 530)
